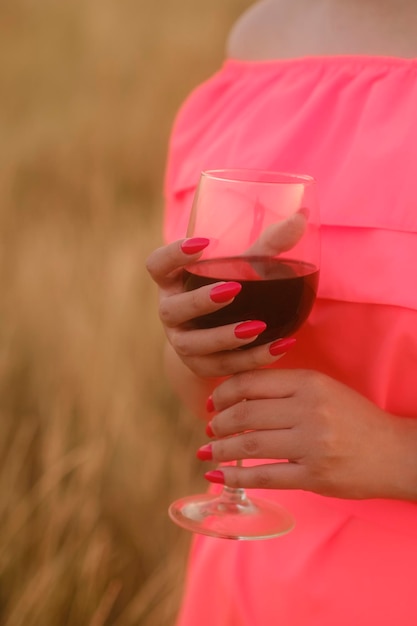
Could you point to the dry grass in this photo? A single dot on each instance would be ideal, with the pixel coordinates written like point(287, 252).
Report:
point(93, 446)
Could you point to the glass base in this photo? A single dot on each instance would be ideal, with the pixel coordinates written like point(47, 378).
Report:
point(231, 515)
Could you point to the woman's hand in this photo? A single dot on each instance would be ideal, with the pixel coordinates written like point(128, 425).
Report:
point(335, 441)
point(207, 353)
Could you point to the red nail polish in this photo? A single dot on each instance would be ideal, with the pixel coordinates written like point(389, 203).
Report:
point(215, 476)
point(281, 346)
point(209, 430)
point(247, 330)
point(210, 405)
point(194, 245)
point(205, 453)
point(225, 292)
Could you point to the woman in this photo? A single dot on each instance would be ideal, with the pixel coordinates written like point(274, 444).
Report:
point(327, 88)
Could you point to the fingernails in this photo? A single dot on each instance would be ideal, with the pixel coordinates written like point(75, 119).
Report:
point(281, 346)
point(215, 476)
point(210, 405)
point(194, 245)
point(209, 430)
point(205, 453)
point(225, 292)
point(246, 330)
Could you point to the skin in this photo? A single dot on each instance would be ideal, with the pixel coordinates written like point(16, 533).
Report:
point(294, 28)
point(301, 417)
point(296, 415)
point(306, 417)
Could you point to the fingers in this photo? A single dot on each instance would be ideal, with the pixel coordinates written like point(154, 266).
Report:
point(257, 415)
point(176, 309)
point(280, 475)
point(189, 343)
point(219, 364)
point(266, 444)
point(257, 384)
point(280, 236)
point(164, 263)
point(207, 352)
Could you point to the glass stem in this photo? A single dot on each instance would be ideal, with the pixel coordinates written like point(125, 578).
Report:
point(235, 499)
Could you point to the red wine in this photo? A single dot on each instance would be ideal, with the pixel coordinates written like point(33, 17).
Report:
point(279, 292)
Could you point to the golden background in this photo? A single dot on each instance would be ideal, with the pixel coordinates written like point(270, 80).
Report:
point(93, 445)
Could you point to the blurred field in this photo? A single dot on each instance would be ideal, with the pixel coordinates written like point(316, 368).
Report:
point(93, 445)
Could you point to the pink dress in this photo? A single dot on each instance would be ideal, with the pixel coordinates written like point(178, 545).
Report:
point(351, 122)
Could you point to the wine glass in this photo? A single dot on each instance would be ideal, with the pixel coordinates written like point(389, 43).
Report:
point(264, 232)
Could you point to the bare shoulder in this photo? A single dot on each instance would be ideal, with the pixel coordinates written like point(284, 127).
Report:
point(290, 28)
point(257, 31)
